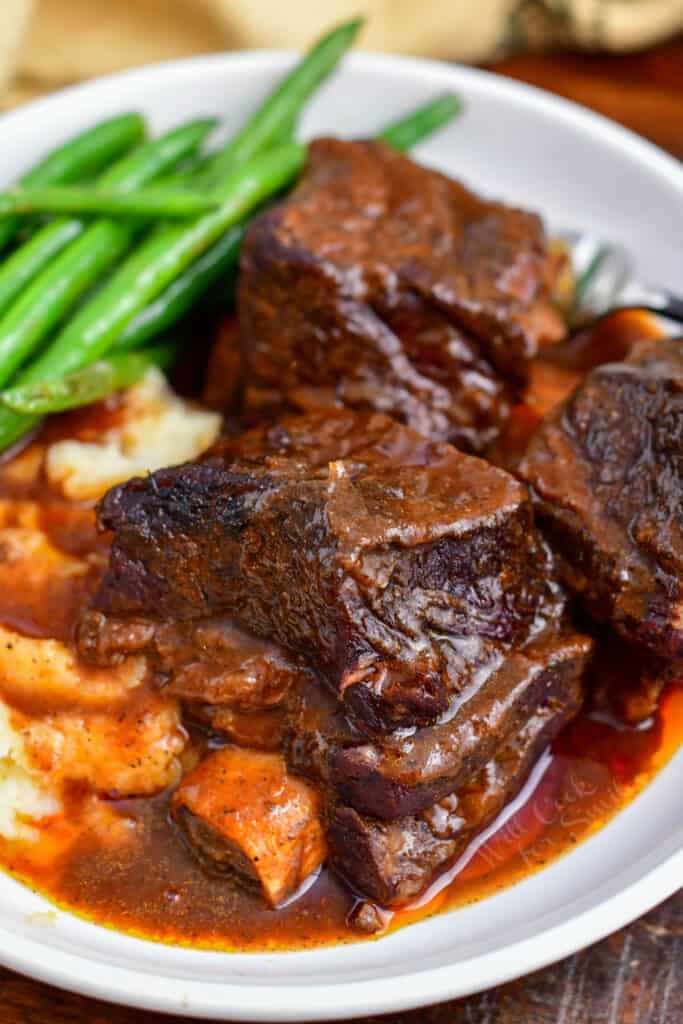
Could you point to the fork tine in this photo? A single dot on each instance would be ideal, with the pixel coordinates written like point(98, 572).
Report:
point(604, 286)
point(585, 276)
point(605, 280)
point(583, 249)
point(601, 270)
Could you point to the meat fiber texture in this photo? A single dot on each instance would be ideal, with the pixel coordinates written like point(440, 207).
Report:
point(249, 819)
point(402, 570)
point(410, 770)
point(229, 680)
point(607, 477)
point(393, 862)
point(380, 284)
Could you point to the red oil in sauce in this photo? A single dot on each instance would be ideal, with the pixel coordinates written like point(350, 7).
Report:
point(150, 885)
point(122, 864)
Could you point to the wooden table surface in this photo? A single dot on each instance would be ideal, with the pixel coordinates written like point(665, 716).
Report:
point(636, 975)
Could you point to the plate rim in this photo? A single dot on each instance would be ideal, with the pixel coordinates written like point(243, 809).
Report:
point(650, 884)
point(213, 1000)
point(273, 59)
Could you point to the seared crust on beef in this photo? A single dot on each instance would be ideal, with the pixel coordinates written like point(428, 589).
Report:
point(380, 284)
point(607, 477)
point(401, 569)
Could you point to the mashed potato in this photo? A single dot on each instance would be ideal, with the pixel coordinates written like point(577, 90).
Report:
point(157, 429)
point(46, 671)
point(28, 561)
point(134, 752)
point(24, 795)
point(60, 721)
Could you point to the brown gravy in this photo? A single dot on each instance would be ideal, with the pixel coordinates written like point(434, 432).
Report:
point(123, 864)
point(152, 886)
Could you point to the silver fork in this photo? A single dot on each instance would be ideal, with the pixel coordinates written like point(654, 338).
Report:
point(605, 281)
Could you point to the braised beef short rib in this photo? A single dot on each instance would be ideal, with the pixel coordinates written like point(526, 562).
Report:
point(402, 570)
point(380, 284)
point(377, 608)
point(393, 862)
point(606, 469)
point(410, 770)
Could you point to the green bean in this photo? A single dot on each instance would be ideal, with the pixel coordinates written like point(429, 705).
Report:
point(189, 171)
point(54, 291)
point(132, 171)
point(26, 262)
point(80, 157)
point(159, 260)
point(162, 257)
point(156, 203)
point(416, 126)
point(14, 425)
point(96, 381)
point(179, 297)
point(278, 114)
point(288, 130)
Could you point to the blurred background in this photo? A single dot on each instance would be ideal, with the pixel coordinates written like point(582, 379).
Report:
point(46, 44)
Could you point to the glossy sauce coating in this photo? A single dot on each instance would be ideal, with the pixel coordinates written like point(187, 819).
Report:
point(124, 864)
point(151, 885)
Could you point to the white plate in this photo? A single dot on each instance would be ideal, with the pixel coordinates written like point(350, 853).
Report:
point(582, 172)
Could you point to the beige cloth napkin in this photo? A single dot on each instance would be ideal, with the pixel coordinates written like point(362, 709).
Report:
point(68, 40)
